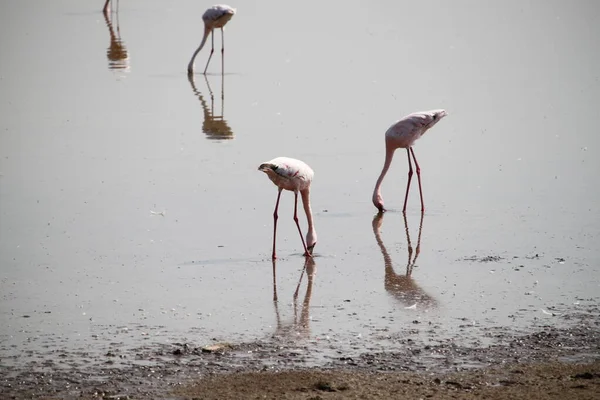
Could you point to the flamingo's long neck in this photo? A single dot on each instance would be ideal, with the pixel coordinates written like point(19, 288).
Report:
point(389, 155)
point(207, 30)
point(311, 236)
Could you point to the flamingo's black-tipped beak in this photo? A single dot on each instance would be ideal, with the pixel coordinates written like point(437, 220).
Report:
point(311, 248)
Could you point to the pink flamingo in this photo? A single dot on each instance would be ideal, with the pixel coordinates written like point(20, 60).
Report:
point(215, 17)
point(403, 134)
point(295, 176)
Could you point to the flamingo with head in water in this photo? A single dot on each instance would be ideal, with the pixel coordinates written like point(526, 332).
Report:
point(295, 176)
point(215, 17)
point(403, 134)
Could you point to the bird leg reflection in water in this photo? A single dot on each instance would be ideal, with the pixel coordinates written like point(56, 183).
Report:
point(214, 126)
point(300, 323)
point(402, 286)
point(118, 58)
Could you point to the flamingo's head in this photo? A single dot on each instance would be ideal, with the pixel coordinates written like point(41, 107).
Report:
point(378, 202)
point(437, 115)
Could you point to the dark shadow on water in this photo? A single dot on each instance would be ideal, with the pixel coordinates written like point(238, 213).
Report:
point(117, 55)
point(299, 326)
point(402, 286)
point(214, 126)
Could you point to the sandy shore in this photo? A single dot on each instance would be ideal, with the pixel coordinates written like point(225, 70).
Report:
point(548, 363)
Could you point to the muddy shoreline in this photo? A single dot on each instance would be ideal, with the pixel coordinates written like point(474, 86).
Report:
point(230, 370)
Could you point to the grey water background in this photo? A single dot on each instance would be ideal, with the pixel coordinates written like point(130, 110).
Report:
point(131, 208)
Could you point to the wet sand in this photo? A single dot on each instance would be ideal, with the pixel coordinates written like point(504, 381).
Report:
point(551, 363)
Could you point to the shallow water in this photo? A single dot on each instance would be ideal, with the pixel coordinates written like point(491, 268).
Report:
point(131, 208)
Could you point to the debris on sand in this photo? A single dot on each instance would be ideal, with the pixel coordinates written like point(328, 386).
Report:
point(484, 259)
point(549, 313)
point(217, 348)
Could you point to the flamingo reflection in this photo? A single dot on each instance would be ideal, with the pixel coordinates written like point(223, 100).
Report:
point(214, 126)
point(299, 326)
point(118, 57)
point(402, 286)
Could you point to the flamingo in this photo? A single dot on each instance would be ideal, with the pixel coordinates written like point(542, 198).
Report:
point(214, 17)
point(403, 134)
point(295, 176)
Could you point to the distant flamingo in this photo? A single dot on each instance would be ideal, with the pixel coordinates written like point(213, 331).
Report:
point(215, 17)
point(403, 134)
point(295, 176)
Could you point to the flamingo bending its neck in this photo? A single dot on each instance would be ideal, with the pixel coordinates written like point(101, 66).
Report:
point(215, 17)
point(403, 134)
point(295, 176)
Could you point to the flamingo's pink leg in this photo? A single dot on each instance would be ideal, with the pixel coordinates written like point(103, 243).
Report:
point(410, 174)
point(212, 49)
point(306, 252)
point(419, 178)
point(275, 216)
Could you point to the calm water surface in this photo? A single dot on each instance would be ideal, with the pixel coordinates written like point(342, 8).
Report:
point(131, 206)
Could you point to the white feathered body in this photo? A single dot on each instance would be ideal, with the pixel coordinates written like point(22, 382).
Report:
point(218, 15)
point(296, 176)
point(403, 133)
point(288, 173)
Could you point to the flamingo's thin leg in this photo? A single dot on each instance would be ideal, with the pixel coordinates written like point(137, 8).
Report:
point(410, 174)
point(306, 252)
point(212, 49)
point(419, 178)
point(275, 217)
